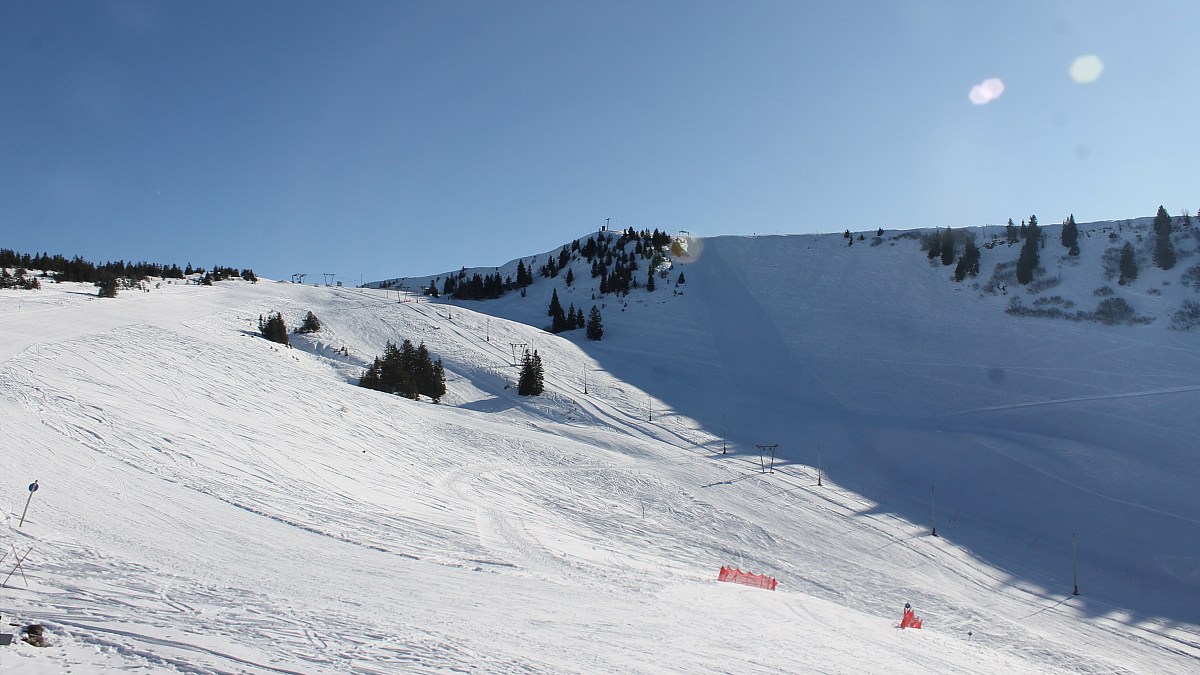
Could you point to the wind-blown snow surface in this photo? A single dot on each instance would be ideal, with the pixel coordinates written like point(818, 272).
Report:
point(212, 502)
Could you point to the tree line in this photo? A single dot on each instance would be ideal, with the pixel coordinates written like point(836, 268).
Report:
point(110, 276)
point(943, 244)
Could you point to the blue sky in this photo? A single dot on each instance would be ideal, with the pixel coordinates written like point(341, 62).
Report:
point(400, 139)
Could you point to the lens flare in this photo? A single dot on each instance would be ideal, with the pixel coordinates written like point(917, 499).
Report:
point(1086, 69)
point(686, 249)
point(988, 90)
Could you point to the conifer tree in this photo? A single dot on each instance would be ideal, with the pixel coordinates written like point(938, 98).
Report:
point(525, 379)
point(1010, 232)
point(1164, 250)
point(531, 380)
point(570, 279)
point(107, 284)
point(1128, 265)
point(437, 385)
point(1027, 261)
point(1070, 235)
point(969, 262)
point(558, 318)
point(650, 282)
point(934, 245)
point(539, 375)
point(948, 246)
point(680, 281)
point(310, 325)
point(273, 328)
point(521, 272)
point(595, 325)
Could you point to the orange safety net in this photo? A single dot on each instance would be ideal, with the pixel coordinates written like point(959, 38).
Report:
point(910, 620)
point(737, 576)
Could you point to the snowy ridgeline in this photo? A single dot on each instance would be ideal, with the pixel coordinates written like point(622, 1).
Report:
point(214, 502)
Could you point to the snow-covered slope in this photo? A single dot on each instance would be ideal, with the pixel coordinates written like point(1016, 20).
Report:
point(213, 502)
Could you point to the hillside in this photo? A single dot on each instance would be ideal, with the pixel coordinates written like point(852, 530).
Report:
point(213, 502)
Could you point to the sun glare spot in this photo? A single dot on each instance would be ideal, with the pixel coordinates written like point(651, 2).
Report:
point(988, 90)
point(686, 249)
point(1086, 69)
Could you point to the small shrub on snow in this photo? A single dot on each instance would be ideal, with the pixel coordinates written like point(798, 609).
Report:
point(1002, 276)
point(1191, 277)
point(1015, 308)
point(1186, 317)
point(1054, 300)
point(1113, 311)
point(1103, 291)
point(1042, 283)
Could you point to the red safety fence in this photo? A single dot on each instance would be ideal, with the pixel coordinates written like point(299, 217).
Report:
point(736, 576)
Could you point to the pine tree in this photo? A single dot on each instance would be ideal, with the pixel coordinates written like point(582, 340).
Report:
point(539, 376)
point(595, 325)
point(934, 244)
point(1010, 232)
point(680, 280)
point(570, 276)
point(1070, 235)
point(558, 318)
point(311, 324)
point(1164, 250)
point(531, 380)
point(273, 328)
point(1027, 261)
point(525, 379)
point(1128, 265)
point(437, 385)
point(650, 282)
point(969, 262)
point(523, 275)
point(372, 378)
point(107, 284)
point(948, 246)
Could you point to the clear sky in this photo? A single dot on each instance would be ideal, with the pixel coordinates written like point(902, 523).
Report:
point(406, 138)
